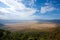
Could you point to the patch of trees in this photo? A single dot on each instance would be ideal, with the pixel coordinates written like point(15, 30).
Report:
point(30, 35)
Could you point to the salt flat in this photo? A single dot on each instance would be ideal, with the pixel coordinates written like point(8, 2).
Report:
point(30, 25)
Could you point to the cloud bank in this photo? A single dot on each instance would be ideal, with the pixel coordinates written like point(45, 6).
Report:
point(23, 9)
point(16, 10)
point(47, 8)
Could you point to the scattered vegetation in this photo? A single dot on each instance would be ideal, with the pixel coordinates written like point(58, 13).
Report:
point(30, 35)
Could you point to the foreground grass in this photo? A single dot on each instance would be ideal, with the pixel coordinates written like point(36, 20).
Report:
point(30, 35)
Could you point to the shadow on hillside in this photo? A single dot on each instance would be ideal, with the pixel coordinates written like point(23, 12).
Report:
point(1, 25)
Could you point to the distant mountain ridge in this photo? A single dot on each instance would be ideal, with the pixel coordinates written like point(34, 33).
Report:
point(1, 25)
point(53, 21)
point(38, 20)
point(7, 21)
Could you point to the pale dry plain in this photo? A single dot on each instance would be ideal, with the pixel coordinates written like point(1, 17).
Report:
point(30, 25)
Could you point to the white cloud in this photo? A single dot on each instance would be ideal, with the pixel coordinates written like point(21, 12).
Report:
point(47, 8)
point(4, 10)
point(16, 10)
point(31, 3)
point(13, 4)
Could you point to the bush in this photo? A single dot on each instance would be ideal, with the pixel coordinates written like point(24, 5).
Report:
point(30, 35)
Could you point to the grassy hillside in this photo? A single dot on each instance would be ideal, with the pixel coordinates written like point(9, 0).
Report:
point(30, 35)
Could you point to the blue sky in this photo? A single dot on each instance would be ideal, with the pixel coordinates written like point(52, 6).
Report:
point(29, 9)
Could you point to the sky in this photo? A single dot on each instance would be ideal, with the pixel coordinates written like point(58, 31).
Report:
point(29, 9)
